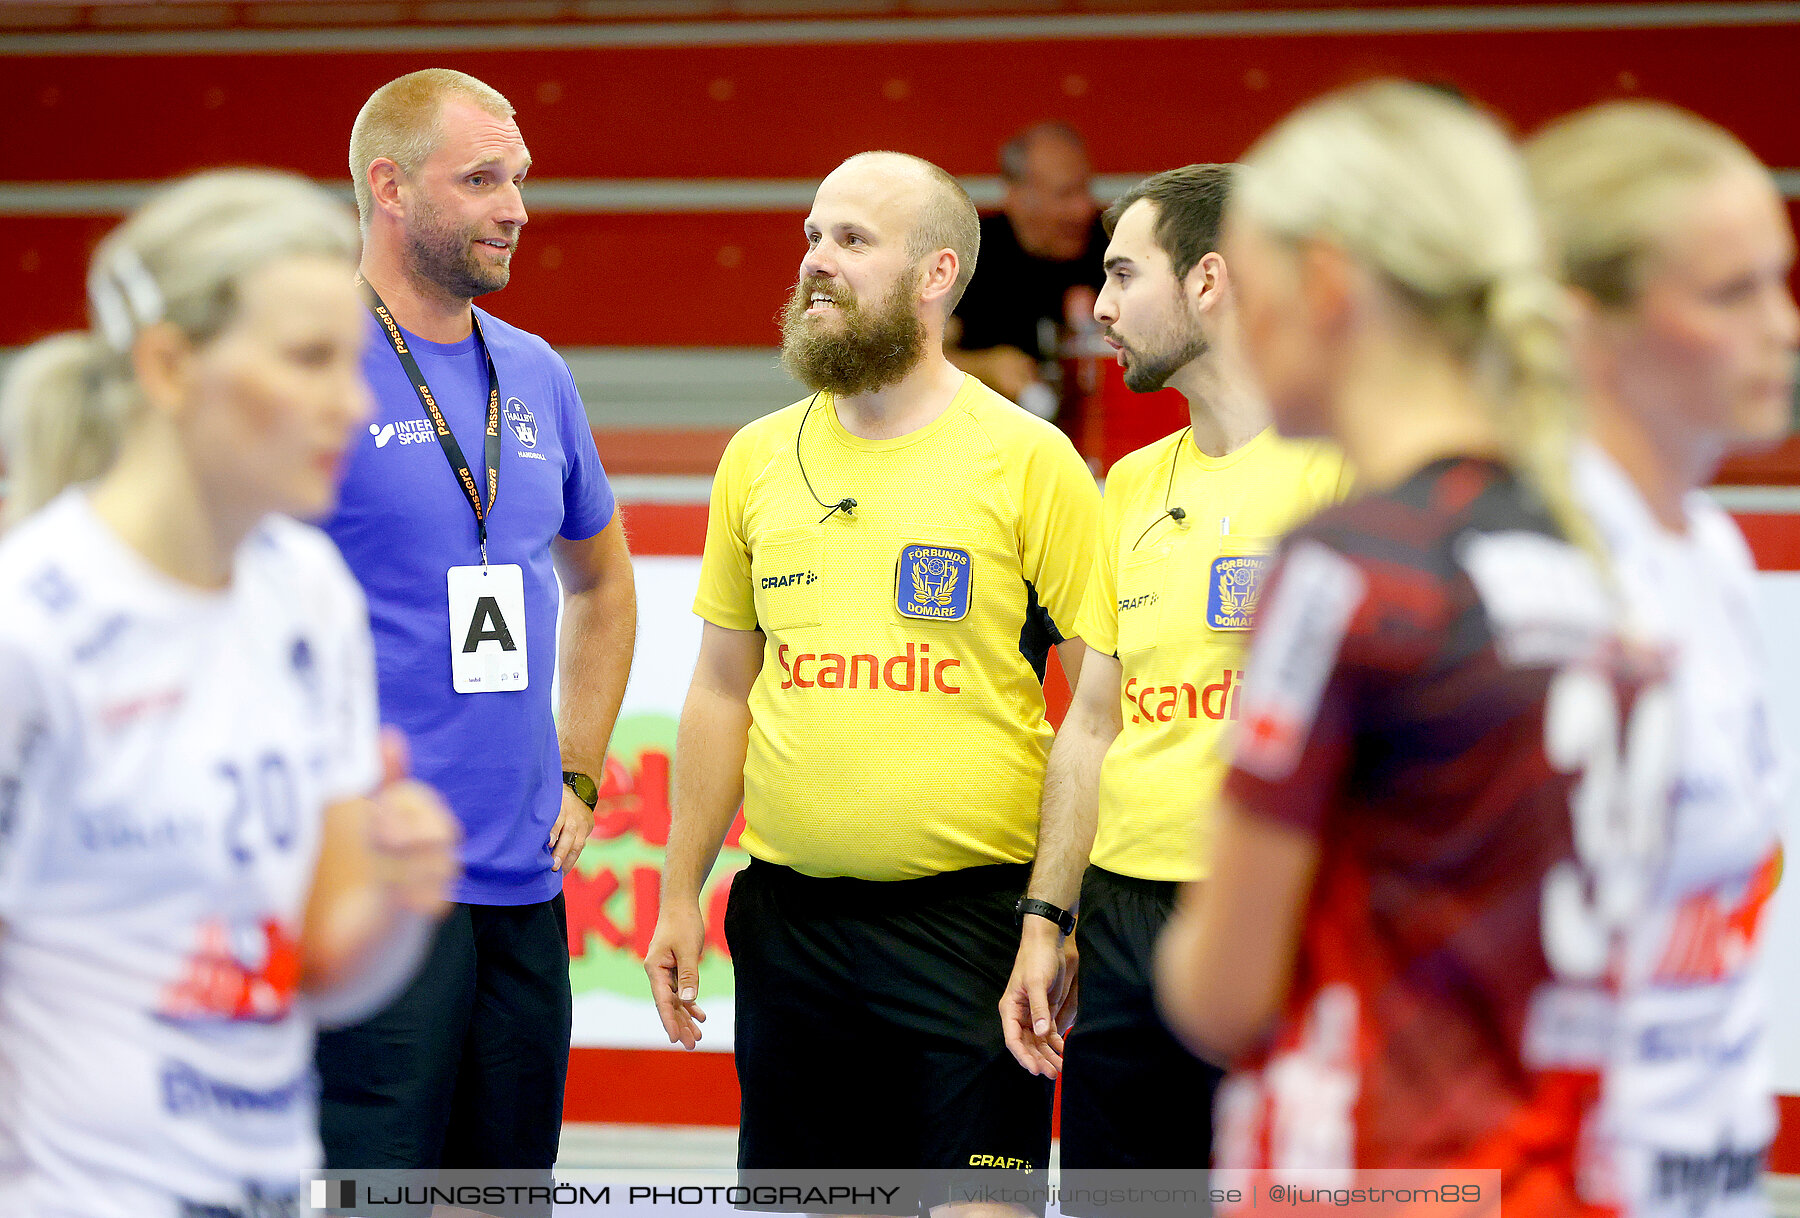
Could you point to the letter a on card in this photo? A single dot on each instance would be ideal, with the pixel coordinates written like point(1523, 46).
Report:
point(487, 629)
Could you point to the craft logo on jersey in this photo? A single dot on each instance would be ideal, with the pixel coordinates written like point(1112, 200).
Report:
point(519, 418)
point(790, 579)
point(1233, 589)
point(933, 582)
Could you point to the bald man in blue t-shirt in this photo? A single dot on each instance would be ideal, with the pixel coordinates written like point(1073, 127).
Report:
point(477, 486)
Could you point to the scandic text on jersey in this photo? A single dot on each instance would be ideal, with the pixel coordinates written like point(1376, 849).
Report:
point(909, 670)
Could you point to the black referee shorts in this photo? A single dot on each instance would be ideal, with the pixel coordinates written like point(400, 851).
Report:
point(868, 1026)
point(1133, 1097)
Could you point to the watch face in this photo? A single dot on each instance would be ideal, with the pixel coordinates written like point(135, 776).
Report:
point(583, 786)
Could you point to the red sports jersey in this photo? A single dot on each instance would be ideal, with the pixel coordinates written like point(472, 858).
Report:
point(1436, 696)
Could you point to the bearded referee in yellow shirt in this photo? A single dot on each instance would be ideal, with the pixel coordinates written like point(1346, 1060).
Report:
point(1187, 527)
point(887, 564)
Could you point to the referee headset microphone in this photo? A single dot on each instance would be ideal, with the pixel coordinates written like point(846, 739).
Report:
point(846, 505)
point(1177, 513)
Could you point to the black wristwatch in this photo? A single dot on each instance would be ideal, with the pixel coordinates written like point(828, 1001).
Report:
point(583, 786)
point(1065, 921)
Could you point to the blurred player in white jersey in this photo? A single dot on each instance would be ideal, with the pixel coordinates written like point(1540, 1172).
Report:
point(1677, 247)
point(203, 851)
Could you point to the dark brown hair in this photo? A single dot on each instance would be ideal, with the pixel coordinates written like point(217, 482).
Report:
point(1190, 203)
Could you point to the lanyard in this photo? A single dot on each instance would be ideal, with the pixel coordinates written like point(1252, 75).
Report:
point(452, 450)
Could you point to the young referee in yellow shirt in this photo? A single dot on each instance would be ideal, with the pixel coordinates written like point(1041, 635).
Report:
point(887, 565)
point(1187, 526)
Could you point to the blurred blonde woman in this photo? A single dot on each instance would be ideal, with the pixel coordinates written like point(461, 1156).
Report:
point(200, 856)
point(1404, 927)
point(1677, 249)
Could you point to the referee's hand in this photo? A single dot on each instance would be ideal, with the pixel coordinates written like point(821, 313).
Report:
point(673, 965)
point(1039, 1003)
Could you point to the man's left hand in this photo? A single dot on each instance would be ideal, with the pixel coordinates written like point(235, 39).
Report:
point(570, 832)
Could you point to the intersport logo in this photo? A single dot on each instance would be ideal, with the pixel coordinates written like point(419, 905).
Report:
point(406, 431)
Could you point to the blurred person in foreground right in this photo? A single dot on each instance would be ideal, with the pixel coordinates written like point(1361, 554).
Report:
point(1676, 247)
point(1416, 879)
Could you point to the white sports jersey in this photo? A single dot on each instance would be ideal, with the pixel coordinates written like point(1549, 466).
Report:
point(165, 757)
point(1689, 1091)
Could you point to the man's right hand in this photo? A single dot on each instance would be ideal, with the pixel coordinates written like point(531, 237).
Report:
point(1032, 1014)
point(673, 965)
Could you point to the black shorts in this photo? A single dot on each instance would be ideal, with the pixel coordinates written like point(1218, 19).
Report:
point(466, 1068)
point(868, 1026)
point(1133, 1097)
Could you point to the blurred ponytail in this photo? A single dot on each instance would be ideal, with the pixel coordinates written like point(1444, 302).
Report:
point(63, 408)
point(1526, 326)
point(1428, 192)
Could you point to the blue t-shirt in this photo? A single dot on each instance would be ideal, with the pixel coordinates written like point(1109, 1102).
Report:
point(403, 520)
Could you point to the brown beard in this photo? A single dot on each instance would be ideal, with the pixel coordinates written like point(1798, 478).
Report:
point(876, 347)
point(1157, 357)
point(1150, 372)
point(442, 256)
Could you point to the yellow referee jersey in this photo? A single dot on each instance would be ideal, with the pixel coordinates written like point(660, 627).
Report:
point(897, 726)
point(1174, 601)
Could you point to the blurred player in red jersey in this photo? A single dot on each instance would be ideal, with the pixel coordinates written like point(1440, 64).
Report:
point(1677, 249)
point(1425, 845)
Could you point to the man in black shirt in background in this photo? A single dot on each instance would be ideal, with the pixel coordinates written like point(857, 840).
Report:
point(1040, 269)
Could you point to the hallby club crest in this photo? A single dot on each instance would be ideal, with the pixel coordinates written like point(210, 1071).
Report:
point(523, 424)
point(1232, 590)
point(933, 582)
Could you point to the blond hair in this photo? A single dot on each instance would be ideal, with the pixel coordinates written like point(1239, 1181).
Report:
point(69, 399)
point(1428, 192)
point(1609, 182)
point(402, 121)
point(947, 219)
